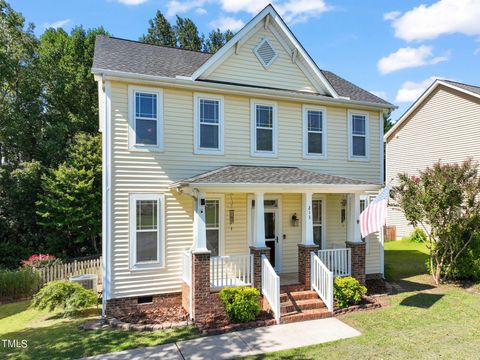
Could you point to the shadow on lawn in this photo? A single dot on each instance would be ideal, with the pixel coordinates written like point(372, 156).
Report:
point(421, 300)
point(13, 308)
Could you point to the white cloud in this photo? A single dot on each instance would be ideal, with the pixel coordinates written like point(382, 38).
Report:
point(443, 17)
point(410, 90)
point(227, 23)
point(380, 94)
point(175, 7)
point(200, 11)
point(391, 15)
point(250, 6)
point(476, 51)
point(57, 24)
point(409, 57)
point(132, 2)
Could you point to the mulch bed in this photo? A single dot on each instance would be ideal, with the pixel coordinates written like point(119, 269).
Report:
point(221, 324)
point(376, 286)
point(367, 303)
point(156, 315)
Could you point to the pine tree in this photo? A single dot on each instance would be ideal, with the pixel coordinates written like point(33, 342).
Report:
point(187, 34)
point(216, 39)
point(160, 32)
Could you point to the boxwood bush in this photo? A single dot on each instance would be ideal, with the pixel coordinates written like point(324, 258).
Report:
point(15, 284)
point(68, 297)
point(347, 291)
point(242, 303)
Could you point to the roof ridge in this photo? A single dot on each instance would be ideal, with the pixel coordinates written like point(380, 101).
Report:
point(162, 46)
point(461, 83)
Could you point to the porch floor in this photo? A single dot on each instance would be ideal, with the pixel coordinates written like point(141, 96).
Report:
point(288, 278)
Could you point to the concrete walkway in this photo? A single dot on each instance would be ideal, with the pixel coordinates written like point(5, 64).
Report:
point(243, 343)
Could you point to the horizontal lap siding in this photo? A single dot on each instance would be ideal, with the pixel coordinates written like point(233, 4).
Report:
point(152, 172)
point(445, 127)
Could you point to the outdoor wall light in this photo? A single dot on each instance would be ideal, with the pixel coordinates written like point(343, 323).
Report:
point(295, 220)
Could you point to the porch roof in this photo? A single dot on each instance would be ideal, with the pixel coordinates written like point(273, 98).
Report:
point(248, 177)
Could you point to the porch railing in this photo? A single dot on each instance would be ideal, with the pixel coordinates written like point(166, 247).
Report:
point(233, 270)
point(271, 287)
point(339, 261)
point(187, 267)
point(321, 280)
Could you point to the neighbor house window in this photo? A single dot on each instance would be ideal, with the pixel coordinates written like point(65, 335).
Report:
point(314, 130)
point(208, 115)
point(358, 132)
point(146, 236)
point(145, 119)
point(264, 130)
point(317, 205)
point(213, 224)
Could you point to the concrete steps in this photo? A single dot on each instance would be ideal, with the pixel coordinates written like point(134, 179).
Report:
point(298, 304)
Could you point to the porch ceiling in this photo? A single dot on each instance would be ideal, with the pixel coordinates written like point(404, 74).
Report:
point(247, 178)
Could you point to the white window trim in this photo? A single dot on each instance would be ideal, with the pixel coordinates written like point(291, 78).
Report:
point(196, 124)
point(306, 154)
point(132, 90)
point(324, 219)
point(367, 238)
point(253, 128)
point(160, 263)
point(350, 136)
point(255, 51)
point(221, 220)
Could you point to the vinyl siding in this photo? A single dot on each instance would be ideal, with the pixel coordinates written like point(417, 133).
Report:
point(245, 67)
point(152, 172)
point(444, 127)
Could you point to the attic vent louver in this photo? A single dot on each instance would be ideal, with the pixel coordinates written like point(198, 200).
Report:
point(265, 52)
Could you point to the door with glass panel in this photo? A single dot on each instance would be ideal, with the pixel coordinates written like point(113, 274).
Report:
point(212, 222)
point(317, 214)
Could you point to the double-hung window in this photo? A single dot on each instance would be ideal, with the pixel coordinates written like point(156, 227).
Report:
point(314, 132)
point(358, 135)
point(146, 230)
point(145, 119)
point(264, 132)
point(208, 113)
point(213, 225)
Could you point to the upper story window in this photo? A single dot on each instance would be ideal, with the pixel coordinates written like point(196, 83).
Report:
point(208, 113)
point(146, 236)
point(314, 132)
point(264, 131)
point(145, 119)
point(358, 135)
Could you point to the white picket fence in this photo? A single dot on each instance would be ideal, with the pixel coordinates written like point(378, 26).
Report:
point(321, 280)
point(339, 261)
point(233, 270)
point(66, 270)
point(271, 287)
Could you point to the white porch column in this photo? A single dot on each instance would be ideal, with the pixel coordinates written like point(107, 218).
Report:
point(307, 217)
point(353, 226)
point(199, 229)
point(259, 220)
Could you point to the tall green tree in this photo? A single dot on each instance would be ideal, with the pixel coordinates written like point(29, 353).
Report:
point(70, 205)
point(187, 34)
point(216, 39)
point(160, 31)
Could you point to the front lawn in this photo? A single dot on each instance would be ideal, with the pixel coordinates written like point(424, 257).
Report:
point(52, 337)
point(434, 323)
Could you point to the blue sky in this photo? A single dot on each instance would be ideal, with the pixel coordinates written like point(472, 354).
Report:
point(392, 48)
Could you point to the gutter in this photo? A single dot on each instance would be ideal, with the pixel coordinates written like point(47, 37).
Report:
point(184, 82)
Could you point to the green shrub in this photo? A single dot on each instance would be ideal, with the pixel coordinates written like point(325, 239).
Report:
point(347, 291)
point(418, 235)
point(15, 284)
point(67, 296)
point(241, 303)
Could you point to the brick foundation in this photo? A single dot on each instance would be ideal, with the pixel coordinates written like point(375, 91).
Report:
point(304, 263)
point(257, 264)
point(358, 260)
point(376, 276)
point(121, 306)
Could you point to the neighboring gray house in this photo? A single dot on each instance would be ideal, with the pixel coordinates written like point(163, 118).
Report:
point(442, 125)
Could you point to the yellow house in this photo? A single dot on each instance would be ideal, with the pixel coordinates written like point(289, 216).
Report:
point(249, 166)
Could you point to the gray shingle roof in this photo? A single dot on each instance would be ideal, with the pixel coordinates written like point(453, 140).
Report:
point(245, 174)
point(135, 57)
point(471, 88)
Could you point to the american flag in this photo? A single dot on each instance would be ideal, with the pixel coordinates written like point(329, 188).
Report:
point(374, 216)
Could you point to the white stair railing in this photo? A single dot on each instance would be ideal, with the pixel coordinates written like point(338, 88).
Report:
point(271, 287)
point(339, 261)
point(233, 270)
point(321, 280)
point(187, 267)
